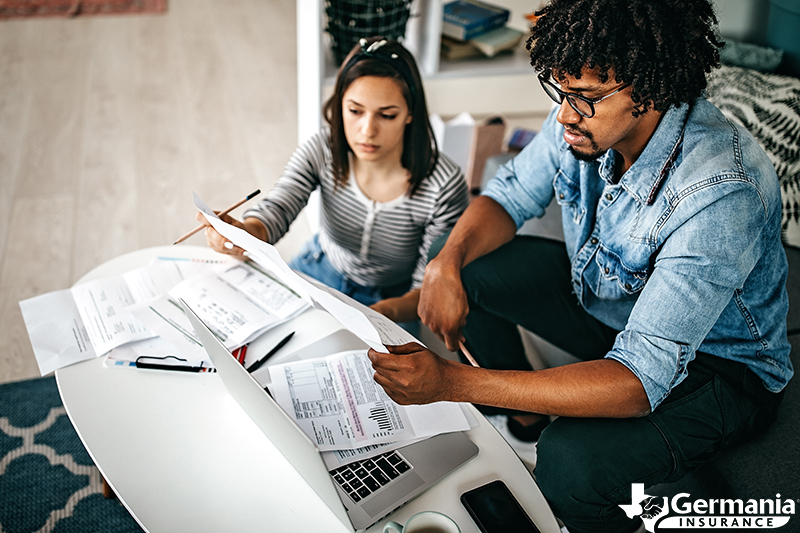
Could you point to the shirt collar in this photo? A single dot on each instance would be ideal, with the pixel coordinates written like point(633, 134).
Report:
point(645, 177)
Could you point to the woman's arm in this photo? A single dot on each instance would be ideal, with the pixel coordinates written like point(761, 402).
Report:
point(308, 169)
point(401, 308)
point(269, 220)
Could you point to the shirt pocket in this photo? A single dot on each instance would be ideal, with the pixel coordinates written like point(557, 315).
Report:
point(614, 280)
point(568, 194)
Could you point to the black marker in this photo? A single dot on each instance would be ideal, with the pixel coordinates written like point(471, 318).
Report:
point(179, 368)
point(255, 366)
point(161, 366)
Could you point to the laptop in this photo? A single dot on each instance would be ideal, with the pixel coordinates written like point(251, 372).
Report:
point(363, 492)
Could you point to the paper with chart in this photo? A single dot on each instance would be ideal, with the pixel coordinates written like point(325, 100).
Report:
point(373, 328)
point(92, 318)
point(337, 403)
point(336, 458)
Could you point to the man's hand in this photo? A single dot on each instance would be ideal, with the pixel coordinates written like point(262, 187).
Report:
point(443, 307)
point(443, 303)
point(411, 374)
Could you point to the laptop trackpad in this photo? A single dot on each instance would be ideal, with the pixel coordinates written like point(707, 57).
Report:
point(388, 499)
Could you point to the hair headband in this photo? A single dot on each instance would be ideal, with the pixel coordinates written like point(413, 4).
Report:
point(373, 51)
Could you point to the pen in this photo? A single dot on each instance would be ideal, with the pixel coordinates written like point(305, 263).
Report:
point(255, 366)
point(179, 368)
point(225, 212)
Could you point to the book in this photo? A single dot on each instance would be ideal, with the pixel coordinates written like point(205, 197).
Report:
point(453, 50)
point(498, 40)
point(466, 19)
point(519, 139)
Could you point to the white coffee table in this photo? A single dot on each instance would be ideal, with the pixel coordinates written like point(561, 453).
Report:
point(181, 454)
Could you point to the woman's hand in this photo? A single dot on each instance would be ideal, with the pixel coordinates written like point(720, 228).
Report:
point(401, 308)
point(220, 244)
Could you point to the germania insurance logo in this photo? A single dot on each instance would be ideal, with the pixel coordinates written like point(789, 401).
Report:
point(682, 512)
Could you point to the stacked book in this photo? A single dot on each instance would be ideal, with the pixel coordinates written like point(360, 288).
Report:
point(473, 28)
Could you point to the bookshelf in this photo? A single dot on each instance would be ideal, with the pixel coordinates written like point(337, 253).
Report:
point(505, 84)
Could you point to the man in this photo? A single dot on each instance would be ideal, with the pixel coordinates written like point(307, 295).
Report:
point(671, 286)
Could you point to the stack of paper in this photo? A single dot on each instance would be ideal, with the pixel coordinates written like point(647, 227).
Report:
point(136, 313)
point(92, 318)
point(238, 301)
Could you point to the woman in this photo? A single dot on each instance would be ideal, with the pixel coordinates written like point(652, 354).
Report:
point(387, 192)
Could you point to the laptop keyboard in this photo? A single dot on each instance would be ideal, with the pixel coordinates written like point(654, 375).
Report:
point(359, 479)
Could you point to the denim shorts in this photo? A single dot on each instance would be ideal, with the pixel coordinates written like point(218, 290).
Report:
point(312, 261)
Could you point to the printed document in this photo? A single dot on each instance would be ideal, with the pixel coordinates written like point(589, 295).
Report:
point(370, 326)
point(238, 301)
point(92, 318)
point(336, 401)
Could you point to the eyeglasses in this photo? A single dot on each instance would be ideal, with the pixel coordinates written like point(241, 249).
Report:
point(582, 105)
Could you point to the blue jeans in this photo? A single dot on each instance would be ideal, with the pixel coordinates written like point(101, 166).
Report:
point(312, 261)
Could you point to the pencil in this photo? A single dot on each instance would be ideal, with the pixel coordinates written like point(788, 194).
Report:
point(468, 355)
point(225, 212)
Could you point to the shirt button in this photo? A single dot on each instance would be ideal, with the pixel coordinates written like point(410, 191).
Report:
point(561, 196)
point(628, 286)
point(609, 197)
point(606, 270)
point(594, 240)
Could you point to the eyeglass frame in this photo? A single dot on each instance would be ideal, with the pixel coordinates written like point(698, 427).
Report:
point(569, 96)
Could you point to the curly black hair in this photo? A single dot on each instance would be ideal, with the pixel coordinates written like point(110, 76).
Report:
point(662, 48)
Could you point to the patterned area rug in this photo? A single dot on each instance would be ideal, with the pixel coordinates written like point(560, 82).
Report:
point(48, 482)
point(72, 8)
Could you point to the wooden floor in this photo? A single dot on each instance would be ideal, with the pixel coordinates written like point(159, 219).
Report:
point(107, 125)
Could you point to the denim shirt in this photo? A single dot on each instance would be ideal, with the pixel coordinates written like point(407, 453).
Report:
point(683, 254)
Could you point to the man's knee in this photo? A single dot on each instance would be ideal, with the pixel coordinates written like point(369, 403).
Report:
point(566, 462)
point(594, 461)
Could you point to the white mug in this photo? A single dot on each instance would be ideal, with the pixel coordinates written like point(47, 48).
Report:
point(424, 522)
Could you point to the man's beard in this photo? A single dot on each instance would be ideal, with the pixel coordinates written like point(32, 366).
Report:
point(591, 156)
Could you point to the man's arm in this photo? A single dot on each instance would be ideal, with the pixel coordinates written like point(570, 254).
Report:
point(484, 227)
point(605, 388)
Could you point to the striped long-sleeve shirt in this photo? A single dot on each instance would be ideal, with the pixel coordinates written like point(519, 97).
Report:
point(375, 244)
